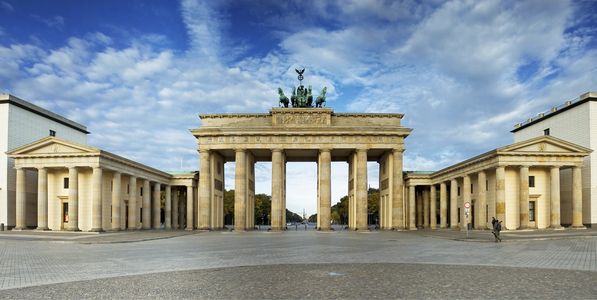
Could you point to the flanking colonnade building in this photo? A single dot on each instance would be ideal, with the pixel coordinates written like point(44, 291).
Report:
point(77, 187)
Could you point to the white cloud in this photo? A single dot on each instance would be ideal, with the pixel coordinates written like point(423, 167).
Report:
point(453, 70)
point(53, 22)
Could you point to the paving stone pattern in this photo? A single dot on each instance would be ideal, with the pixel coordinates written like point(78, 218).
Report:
point(31, 263)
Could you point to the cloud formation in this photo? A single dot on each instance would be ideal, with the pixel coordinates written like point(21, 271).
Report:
point(462, 72)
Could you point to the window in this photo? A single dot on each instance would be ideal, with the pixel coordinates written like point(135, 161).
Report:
point(531, 181)
point(471, 188)
point(487, 185)
point(52, 132)
point(546, 131)
point(141, 192)
point(65, 182)
point(128, 189)
point(458, 191)
point(531, 211)
point(459, 215)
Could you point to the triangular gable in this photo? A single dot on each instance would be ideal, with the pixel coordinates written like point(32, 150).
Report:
point(547, 144)
point(52, 145)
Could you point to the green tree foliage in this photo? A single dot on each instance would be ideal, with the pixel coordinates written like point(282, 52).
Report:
point(340, 209)
point(263, 209)
point(293, 217)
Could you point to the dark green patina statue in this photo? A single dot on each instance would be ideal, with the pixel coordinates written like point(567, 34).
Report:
point(301, 96)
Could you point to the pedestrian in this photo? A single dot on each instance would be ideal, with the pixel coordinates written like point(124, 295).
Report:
point(497, 229)
point(493, 221)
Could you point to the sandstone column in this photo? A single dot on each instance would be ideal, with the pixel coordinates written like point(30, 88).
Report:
point(73, 199)
point(146, 205)
point(175, 221)
point(277, 190)
point(205, 189)
point(397, 191)
point(325, 188)
point(132, 214)
point(454, 204)
point(411, 208)
point(361, 192)
point(21, 200)
point(481, 220)
point(116, 200)
point(426, 208)
point(182, 208)
point(240, 191)
point(189, 206)
point(168, 210)
point(42, 199)
point(500, 194)
point(443, 205)
point(577, 198)
point(466, 197)
point(96, 199)
point(524, 197)
point(555, 197)
point(156, 206)
point(432, 208)
point(420, 210)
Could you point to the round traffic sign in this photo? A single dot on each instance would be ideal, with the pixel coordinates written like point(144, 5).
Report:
point(467, 205)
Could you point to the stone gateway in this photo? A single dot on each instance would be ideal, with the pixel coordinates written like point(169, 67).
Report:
point(301, 134)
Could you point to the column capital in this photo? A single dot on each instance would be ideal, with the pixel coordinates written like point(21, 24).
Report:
point(277, 150)
point(362, 150)
point(206, 151)
point(554, 167)
point(42, 168)
point(398, 150)
point(324, 150)
point(237, 150)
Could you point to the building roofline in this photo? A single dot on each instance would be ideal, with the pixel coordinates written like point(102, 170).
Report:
point(588, 96)
point(10, 99)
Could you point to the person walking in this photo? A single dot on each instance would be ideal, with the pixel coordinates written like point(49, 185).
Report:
point(496, 231)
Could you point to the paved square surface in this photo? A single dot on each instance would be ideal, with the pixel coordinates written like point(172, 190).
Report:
point(383, 256)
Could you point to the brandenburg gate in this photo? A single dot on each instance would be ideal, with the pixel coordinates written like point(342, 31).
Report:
point(301, 134)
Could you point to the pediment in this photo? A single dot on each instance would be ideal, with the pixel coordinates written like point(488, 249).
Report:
point(52, 145)
point(545, 144)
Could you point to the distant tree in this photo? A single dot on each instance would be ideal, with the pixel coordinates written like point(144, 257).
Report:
point(229, 207)
point(340, 209)
point(312, 218)
point(263, 208)
point(335, 217)
point(293, 217)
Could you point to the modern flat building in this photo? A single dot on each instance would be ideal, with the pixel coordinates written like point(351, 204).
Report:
point(574, 121)
point(21, 123)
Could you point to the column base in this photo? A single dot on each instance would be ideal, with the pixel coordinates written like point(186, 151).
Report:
point(413, 228)
point(96, 230)
point(559, 227)
point(19, 229)
point(578, 227)
point(72, 229)
point(42, 229)
point(189, 229)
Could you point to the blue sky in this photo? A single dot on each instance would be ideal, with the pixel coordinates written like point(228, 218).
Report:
point(137, 73)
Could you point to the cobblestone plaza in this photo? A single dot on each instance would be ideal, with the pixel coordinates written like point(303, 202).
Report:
point(30, 262)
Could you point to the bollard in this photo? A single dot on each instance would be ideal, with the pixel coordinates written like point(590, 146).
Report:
point(1, 226)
